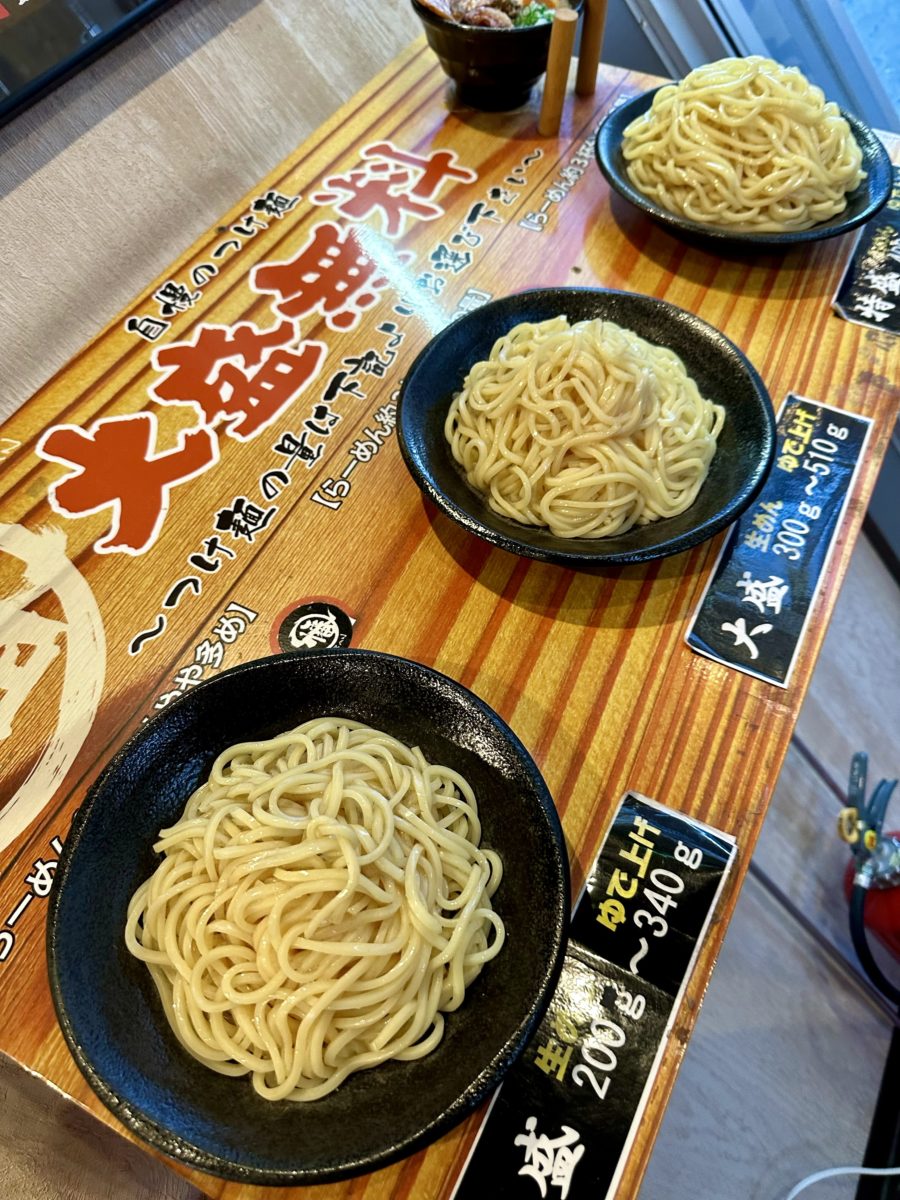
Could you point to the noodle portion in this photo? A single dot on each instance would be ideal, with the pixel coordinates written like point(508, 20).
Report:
point(745, 143)
point(320, 903)
point(586, 429)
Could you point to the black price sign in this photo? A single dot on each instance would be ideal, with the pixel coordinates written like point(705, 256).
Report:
point(869, 292)
point(563, 1121)
point(754, 611)
point(650, 893)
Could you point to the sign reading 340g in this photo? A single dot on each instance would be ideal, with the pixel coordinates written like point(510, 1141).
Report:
point(651, 892)
point(563, 1121)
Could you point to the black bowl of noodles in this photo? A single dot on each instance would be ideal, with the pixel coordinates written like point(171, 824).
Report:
point(862, 203)
point(724, 376)
point(108, 1006)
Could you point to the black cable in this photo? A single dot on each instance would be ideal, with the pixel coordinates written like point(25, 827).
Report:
point(861, 944)
point(839, 959)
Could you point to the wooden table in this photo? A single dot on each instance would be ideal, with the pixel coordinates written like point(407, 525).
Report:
point(591, 671)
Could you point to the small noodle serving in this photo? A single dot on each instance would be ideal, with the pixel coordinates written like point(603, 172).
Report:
point(320, 903)
point(585, 429)
point(745, 143)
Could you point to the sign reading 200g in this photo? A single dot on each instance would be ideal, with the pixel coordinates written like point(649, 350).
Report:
point(568, 1111)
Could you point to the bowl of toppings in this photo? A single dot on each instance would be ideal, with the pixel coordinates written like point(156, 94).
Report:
point(586, 427)
point(335, 896)
point(494, 50)
point(747, 151)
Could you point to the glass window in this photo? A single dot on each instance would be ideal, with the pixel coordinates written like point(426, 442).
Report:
point(850, 48)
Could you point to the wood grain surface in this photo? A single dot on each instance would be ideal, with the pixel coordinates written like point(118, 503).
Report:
point(768, 1072)
point(590, 671)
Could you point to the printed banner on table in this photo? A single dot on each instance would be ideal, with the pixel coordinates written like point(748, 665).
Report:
point(567, 1113)
point(219, 429)
point(754, 611)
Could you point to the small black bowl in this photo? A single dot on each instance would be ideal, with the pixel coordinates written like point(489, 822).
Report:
point(494, 69)
point(723, 374)
point(107, 1004)
point(862, 203)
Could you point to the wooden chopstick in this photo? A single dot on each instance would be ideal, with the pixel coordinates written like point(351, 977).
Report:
point(562, 39)
point(591, 44)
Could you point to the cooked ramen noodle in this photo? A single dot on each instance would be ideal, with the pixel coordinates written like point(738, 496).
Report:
point(746, 143)
point(320, 904)
point(585, 429)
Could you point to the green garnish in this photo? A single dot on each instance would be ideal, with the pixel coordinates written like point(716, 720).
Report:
point(533, 14)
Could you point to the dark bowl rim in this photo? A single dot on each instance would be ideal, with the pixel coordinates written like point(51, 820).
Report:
point(439, 22)
point(173, 1145)
point(590, 553)
point(874, 156)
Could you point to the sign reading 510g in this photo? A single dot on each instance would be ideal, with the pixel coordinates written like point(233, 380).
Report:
point(754, 612)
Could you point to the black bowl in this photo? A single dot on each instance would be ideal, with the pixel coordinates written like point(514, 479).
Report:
point(494, 69)
point(862, 203)
point(737, 472)
point(106, 1001)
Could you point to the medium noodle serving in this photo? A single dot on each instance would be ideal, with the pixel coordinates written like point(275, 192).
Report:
point(321, 902)
point(744, 143)
point(585, 429)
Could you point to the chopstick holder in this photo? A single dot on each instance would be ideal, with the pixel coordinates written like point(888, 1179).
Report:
point(591, 44)
point(562, 39)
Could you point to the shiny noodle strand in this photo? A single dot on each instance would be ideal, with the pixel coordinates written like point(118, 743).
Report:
point(744, 143)
point(321, 902)
point(587, 429)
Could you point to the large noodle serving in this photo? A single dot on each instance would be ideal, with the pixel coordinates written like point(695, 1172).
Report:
point(744, 143)
point(320, 904)
point(586, 429)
